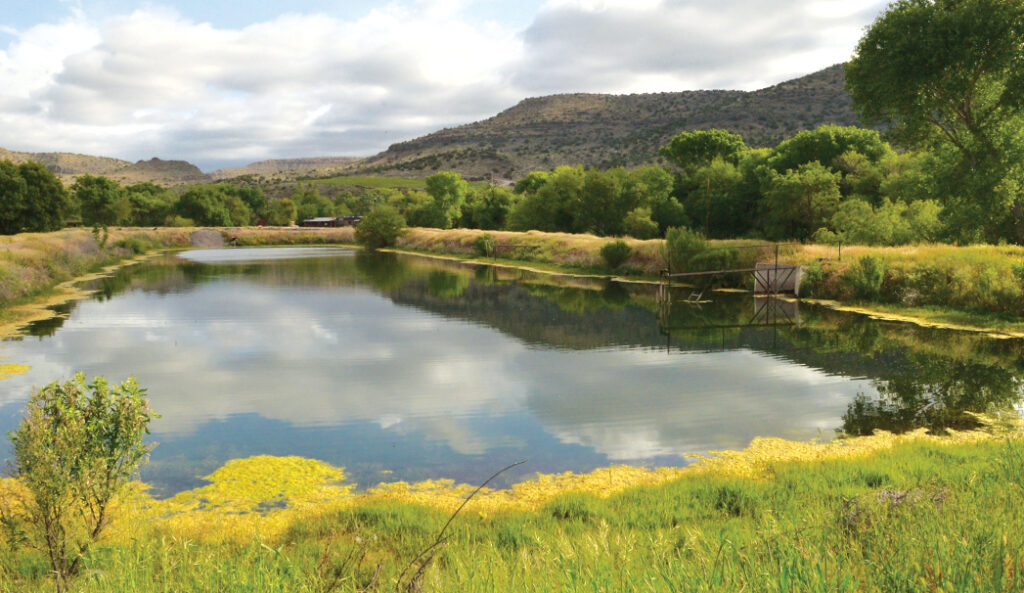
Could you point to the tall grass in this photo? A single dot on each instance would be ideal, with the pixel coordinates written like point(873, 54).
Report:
point(31, 263)
point(922, 516)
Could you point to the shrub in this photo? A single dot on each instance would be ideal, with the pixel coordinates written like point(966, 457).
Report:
point(681, 246)
point(615, 253)
point(132, 244)
point(75, 450)
point(866, 276)
point(380, 228)
point(484, 245)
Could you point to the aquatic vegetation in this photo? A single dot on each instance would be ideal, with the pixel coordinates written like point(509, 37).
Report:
point(862, 514)
point(9, 370)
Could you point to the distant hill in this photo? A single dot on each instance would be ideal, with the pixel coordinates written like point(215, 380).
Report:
point(161, 172)
point(66, 164)
point(69, 167)
point(611, 130)
point(316, 166)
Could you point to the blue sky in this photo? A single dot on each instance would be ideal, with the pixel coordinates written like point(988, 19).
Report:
point(226, 83)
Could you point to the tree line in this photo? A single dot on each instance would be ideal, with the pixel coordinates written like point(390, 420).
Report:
point(945, 78)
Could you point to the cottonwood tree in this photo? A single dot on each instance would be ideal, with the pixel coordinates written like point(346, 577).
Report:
point(948, 75)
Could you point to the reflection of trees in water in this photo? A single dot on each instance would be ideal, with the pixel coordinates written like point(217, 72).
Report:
point(923, 377)
point(936, 393)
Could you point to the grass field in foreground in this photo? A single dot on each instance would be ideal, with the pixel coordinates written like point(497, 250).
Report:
point(924, 515)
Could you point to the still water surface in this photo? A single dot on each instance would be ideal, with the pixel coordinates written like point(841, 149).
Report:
point(407, 368)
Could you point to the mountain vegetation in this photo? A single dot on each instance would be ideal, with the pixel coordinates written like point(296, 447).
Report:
point(616, 130)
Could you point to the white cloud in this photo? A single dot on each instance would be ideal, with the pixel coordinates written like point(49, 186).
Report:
point(154, 82)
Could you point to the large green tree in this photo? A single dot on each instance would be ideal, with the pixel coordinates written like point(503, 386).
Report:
point(31, 198)
point(948, 75)
point(99, 199)
point(689, 150)
point(799, 202)
point(448, 192)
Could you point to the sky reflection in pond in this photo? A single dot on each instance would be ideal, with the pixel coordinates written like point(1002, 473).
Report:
point(429, 369)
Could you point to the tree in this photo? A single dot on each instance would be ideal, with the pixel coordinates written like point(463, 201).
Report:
point(638, 224)
point(206, 205)
point(282, 212)
point(380, 228)
point(825, 145)
point(531, 183)
point(551, 206)
point(694, 149)
point(448, 191)
point(12, 196)
point(311, 204)
point(31, 199)
point(799, 202)
point(948, 75)
point(46, 201)
point(600, 209)
point(150, 204)
point(487, 209)
point(98, 199)
point(75, 450)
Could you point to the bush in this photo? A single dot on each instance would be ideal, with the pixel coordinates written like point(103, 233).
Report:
point(484, 245)
point(132, 244)
point(75, 450)
point(681, 246)
point(615, 253)
point(866, 276)
point(380, 228)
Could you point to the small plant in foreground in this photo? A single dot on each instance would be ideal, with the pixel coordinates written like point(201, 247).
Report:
point(75, 450)
point(615, 253)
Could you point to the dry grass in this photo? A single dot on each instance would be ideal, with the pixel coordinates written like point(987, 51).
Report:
point(562, 249)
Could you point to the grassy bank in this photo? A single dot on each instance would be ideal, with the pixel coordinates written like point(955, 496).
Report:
point(978, 287)
point(882, 513)
point(969, 287)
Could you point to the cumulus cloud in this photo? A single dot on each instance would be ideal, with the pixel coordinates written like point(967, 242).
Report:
point(155, 82)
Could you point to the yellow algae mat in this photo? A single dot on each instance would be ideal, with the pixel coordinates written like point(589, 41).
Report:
point(262, 496)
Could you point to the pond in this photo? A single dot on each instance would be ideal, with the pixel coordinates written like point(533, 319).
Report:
point(410, 368)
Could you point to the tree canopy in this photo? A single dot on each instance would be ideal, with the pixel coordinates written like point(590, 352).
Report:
point(948, 75)
point(694, 149)
point(31, 199)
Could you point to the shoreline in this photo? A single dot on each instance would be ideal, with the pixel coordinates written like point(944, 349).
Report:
point(27, 310)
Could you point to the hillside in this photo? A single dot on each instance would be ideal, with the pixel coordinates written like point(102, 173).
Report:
point(537, 134)
point(610, 130)
point(285, 167)
point(70, 166)
point(67, 165)
point(160, 172)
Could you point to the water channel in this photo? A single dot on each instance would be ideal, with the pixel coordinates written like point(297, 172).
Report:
point(409, 368)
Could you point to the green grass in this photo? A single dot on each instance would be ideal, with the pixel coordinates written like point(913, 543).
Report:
point(371, 182)
point(923, 516)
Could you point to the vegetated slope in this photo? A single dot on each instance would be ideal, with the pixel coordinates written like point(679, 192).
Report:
point(70, 166)
point(286, 167)
point(611, 130)
point(65, 164)
point(161, 172)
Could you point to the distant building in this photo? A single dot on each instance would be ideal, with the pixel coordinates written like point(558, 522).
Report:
point(332, 221)
point(326, 221)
